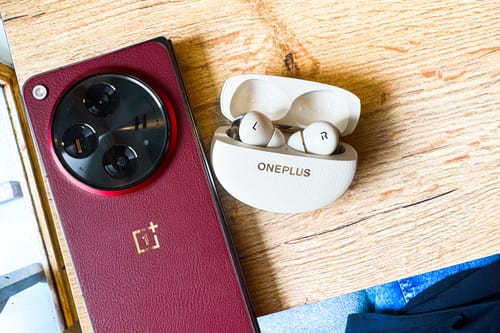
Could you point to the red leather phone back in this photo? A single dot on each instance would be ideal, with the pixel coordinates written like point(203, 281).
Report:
point(157, 259)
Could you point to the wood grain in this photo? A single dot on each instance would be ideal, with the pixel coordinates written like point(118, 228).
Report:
point(427, 190)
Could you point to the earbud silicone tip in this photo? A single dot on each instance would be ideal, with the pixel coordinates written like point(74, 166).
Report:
point(277, 140)
point(295, 141)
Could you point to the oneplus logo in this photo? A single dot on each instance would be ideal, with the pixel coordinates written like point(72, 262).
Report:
point(146, 239)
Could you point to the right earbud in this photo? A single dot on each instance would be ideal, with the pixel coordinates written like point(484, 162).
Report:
point(321, 138)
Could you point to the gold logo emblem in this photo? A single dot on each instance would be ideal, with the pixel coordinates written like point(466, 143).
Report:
point(146, 239)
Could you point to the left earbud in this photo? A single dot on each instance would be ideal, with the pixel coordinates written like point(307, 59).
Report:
point(254, 128)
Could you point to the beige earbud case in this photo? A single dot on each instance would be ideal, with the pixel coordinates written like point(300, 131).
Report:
point(283, 179)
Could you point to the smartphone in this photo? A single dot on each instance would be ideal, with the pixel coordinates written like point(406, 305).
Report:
point(135, 196)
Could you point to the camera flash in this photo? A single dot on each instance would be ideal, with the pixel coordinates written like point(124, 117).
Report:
point(39, 92)
point(79, 149)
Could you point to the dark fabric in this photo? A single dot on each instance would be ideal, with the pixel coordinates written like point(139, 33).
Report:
point(394, 295)
point(468, 301)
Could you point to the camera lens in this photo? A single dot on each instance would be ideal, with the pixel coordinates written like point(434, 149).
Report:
point(79, 141)
point(101, 99)
point(120, 161)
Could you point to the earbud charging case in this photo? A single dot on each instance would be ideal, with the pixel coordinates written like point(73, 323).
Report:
point(282, 179)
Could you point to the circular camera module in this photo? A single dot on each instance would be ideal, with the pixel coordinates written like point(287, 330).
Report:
point(101, 99)
point(110, 131)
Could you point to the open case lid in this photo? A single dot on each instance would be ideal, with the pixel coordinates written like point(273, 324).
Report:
point(290, 102)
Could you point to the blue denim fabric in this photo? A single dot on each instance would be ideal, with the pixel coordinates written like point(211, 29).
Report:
point(394, 295)
point(328, 316)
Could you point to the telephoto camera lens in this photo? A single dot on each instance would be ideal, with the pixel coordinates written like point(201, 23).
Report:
point(101, 99)
point(79, 141)
point(120, 161)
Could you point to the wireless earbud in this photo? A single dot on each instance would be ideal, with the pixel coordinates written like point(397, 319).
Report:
point(320, 138)
point(254, 128)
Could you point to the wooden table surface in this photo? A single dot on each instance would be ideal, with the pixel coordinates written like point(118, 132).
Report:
point(427, 190)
